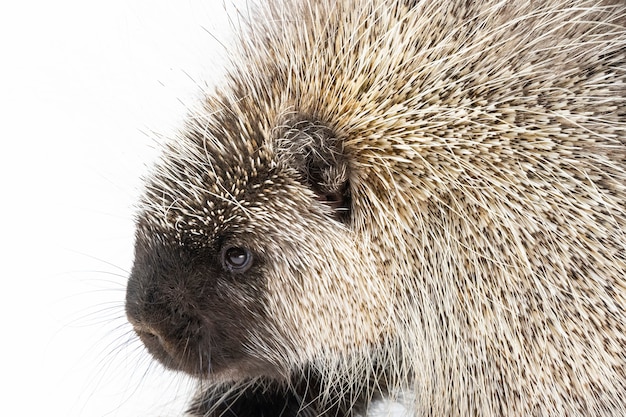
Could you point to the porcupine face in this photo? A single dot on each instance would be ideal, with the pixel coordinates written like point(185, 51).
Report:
point(231, 232)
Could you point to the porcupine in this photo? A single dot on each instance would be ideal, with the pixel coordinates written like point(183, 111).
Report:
point(422, 201)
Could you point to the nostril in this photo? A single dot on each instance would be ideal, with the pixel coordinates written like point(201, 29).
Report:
point(156, 343)
point(150, 338)
point(147, 334)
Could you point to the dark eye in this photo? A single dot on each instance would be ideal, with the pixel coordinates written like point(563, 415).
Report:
point(236, 259)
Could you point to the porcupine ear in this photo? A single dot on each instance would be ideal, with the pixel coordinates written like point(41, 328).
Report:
point(318, 156)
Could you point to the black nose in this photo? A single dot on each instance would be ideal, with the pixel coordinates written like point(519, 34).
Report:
point(160, 294)
point(172, 333)
point(192, 314)
point(162, 306)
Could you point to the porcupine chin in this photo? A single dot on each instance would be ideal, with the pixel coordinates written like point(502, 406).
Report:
point(421, 200)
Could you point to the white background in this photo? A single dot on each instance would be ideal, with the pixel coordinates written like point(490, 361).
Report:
point(85, 90)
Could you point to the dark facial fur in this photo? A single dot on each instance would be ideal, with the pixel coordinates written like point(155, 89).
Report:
point(418, 200)
point(189, 304)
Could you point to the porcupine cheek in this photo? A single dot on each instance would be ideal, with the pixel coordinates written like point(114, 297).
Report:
point(333, 301)
point(190, 315)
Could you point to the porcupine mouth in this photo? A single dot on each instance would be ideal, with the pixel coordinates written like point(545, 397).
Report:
point(170, 355)
point(203, 360)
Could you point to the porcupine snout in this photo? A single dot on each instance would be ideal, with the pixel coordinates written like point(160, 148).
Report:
point(182, 309)
point(160, 306)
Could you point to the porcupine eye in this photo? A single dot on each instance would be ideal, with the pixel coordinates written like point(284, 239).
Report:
point(236, 259)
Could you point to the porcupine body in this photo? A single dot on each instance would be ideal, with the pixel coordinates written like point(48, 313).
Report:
point(416, 200)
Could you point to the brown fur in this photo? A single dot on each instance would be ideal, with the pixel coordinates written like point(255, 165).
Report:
point(433, 197)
